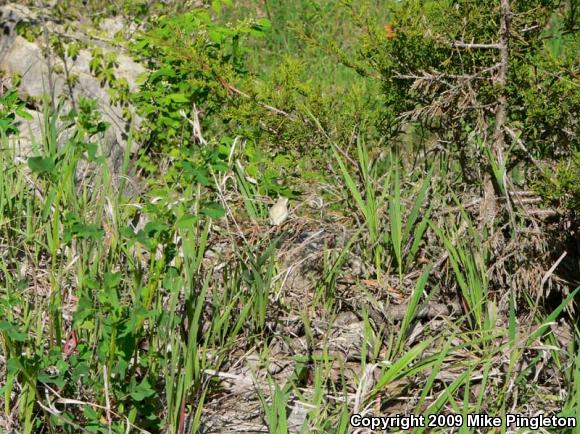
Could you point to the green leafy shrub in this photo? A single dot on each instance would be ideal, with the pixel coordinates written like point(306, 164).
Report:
point(10, 107)
point(562, 186)
point(429, 74)
point(193, 61)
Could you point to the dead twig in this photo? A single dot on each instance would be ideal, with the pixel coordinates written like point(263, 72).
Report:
point(461, 44)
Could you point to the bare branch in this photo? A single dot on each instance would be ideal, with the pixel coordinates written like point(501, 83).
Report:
point(461, 44)
point(440, 76)
point(489, 204)
point(266, 106)
point(521, 145)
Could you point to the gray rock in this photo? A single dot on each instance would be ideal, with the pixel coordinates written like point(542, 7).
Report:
point(112, 26)
point(28, 61)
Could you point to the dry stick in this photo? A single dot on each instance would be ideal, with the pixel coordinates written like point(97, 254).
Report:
point(107, 399)
point(245, 95)
point(51, 87)
point(543, 282)
point(521, 145)
point(454, 209)
point(69, 83)
point(220, 186)
point(439, 76)
point(505, 17)
point(366, 380)
point(461, 44)
point(489, 204)
point(537, 212)
point(501, 111)
point(195, 124)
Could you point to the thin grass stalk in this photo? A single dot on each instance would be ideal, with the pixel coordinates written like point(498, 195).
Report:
point(412, 308)
point(396, 217)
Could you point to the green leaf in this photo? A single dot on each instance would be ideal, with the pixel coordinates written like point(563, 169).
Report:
point(82, 231)
point(167, 121)
point(260, 27)
point(186, 221)
point(90, 413)
point(127, 232)
point(24, 114)
point(13, 366)
point(216, 6)
point(112, 280)
point(178, 97)
point(41, 165)
point(153, 227)
point(46, 378)
point(142, 390)
point(13, 332)
point(213, 210)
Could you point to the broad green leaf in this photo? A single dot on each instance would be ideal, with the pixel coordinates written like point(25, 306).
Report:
point(213, 210)
point(186, 221)
point(41, 165)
